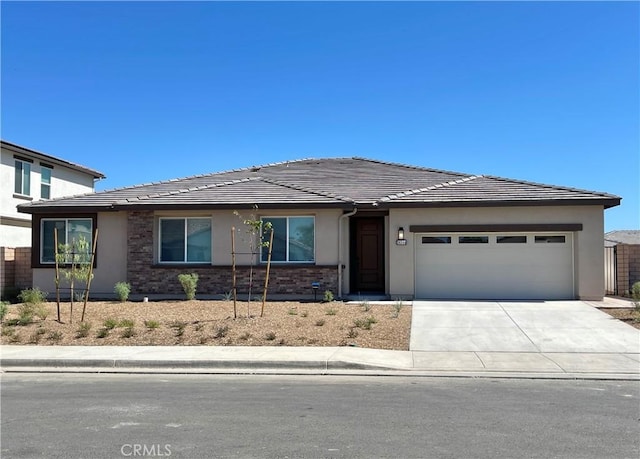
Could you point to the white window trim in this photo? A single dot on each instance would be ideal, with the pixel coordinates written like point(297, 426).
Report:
point(22, 176)
point(184, 262)
point(287, 261)
point(66, 231)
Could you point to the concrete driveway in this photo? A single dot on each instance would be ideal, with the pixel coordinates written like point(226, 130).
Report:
point(518, 326)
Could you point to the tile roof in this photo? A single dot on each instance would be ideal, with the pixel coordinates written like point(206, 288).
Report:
point(631, 237)
point(45, 157)
point(328, 182)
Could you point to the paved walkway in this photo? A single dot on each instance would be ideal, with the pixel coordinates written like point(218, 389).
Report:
point(572, 351)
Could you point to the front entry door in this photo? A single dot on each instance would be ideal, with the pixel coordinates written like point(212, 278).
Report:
point(367, 261)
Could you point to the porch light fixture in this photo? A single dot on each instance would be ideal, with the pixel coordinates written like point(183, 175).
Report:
point(401, 240)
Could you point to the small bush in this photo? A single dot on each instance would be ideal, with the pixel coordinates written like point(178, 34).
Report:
point(151, 324)
point(365, 324)
point(122, 290)
point(126, 323)
point(4, 309)
point(102, 333)
point(304, 314)
point(32, 296)
point(292, 312)
point(8, 331)
point(220, 332)
point(110, 324)
point(331, 312)
point(178, 327)
point(26, 312)
point(270, 336)
point(397, 307)
point(189, 284)
point(128, 332)
point(54, 336)
point(41, 311)
point(635, 295)
point(83, 330)
point(366, 307)
point(228, 296)
point(352, 333)
point(328, 296)
point(319, 322)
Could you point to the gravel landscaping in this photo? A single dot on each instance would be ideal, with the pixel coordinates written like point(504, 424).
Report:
point(212, 323)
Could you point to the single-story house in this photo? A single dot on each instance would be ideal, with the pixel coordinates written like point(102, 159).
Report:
point(355, 226)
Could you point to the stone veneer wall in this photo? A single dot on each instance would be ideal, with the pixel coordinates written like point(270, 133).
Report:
point(147, 278)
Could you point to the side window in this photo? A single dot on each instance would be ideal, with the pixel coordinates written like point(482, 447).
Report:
point(69, 231)
point(45, 182)
point(293, 239)
point(185, 240)
point(22, 178)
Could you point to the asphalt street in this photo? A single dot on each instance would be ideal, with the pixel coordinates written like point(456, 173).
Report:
point(215, 416)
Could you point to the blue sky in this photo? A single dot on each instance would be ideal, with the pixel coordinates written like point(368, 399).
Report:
point(540, 91)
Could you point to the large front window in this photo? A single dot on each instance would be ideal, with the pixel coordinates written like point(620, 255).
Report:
point(70, 232)
point(23, 178)
point(185, 240)
point(293, 239)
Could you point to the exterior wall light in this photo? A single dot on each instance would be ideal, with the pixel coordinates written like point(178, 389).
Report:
point(401, 240)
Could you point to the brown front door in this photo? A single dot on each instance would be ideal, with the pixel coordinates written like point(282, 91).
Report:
point(367, 255)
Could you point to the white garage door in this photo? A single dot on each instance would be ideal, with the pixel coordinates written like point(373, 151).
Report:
point(494, 266)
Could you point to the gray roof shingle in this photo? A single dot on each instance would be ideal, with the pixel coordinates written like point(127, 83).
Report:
point(329, 182)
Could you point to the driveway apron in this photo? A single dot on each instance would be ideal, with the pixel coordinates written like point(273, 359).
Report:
point(518, 326)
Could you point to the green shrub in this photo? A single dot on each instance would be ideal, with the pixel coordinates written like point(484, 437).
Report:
point(126, 323)
point(151, 324)
point(331, 312)
point(366, 307)
point(102, 333)
point(127, 332)
point(304, 314)
point(26, 312)
point(83, 330)
point(32, 296)
point(110, 324)
point(54, 336)
point(328, 296)
point(292, 312)
point(635, 295)
point(366, 323)
point(221, 331)
point(319, 322)
point(270, 336)
point(4, 309)
point(189, 284)
point(397, 306)
point(122, 290)
point(41, 311)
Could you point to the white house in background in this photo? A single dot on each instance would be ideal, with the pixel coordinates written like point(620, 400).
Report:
point(27, 175)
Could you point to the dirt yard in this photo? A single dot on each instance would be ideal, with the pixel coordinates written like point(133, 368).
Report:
point(626, 315)
point(212, 323)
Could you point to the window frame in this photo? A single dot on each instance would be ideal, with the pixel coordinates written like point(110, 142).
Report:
point(24, 172)
point(66, 221)
point(287, 260)
point(43, 183)
point(186, 244)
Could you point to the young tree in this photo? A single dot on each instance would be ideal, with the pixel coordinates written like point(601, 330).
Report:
point(255, 229)
point(77, 259)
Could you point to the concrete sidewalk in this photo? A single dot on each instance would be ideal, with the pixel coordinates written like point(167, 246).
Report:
point(313, 360)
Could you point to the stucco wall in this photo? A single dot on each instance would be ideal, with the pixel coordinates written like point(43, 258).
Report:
point(111, 257)
point(588, 254)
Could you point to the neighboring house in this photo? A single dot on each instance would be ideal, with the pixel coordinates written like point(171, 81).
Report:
point(356, 226)
point(622, 260)
point(25, 176)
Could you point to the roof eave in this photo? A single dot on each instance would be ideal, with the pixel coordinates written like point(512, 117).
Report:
point(606, 202)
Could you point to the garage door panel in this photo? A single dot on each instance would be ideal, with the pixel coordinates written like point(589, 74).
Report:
point(494, 271)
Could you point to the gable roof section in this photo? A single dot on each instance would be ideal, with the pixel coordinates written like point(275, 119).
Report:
point(630, 237)
point(19, 150)
point(330, 182)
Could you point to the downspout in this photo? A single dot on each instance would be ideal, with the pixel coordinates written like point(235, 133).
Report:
point(343, 216)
